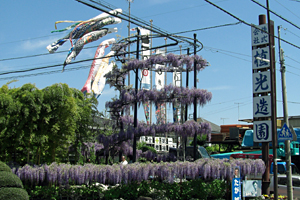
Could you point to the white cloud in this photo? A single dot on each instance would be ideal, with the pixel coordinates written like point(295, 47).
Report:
point(37, 44)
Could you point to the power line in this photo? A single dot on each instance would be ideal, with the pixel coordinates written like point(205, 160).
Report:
point(291, 32)
point(28, 39)
point(287, 9)
point(251, 25)
point(45, 73)
point(46, 54)
point(180, 9)
point(207, 28)
point(276, 14)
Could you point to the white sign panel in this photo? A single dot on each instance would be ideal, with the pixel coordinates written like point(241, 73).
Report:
point(176, 78)
point(260, 58)
point(251, 188)
point(149, 140)
point(261, 82)
point(260, 37)
point(143, 138)
point(262, 131)
point(262, 106)
point(159, 75)
point(145, 73)
point(170, 140)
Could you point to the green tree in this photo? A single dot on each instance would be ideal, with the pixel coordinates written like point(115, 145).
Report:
point(9, 120)
point(43, 123)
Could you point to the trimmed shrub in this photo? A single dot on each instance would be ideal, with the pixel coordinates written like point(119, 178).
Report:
point(13, 194)
point(4, 167)
point(8, 179)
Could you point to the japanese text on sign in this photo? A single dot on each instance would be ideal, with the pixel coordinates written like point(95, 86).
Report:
point(262, 131)
point(260, 35)
point(261, 82)
point(262, 106)
point(260, 58)
point(236, 188)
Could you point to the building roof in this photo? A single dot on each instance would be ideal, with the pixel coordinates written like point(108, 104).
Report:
point(214, 127)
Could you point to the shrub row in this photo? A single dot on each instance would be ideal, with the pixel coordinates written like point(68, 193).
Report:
point(194, 189)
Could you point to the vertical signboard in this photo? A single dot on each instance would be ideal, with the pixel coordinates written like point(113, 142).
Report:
point(261, 84)
point(145, 73)
point(160, 112)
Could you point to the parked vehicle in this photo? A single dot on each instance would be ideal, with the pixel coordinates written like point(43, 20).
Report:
point(281, 165)
point(282, 185)
point(189, 154)
point(225, 155)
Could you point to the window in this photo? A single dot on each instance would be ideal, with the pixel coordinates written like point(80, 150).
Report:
point(281, 169)
point(296, 182)
point(281, 181)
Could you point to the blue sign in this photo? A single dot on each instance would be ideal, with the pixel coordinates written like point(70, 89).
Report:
point(285, 133)
point(236, 188)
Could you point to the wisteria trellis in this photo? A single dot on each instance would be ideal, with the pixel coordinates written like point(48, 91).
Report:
point(128, 96)
point(65, 174)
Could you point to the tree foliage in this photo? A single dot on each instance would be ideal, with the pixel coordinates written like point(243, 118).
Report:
point(39, 125)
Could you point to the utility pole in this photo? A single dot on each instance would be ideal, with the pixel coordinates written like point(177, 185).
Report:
point(286, 120)
point(238, 111)
point(273, 94)
point(223, 119)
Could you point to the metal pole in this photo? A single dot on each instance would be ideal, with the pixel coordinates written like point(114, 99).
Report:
point(151, 71)
point(136, 91)
point(181, 106)
point(273, 95)
point(265, 145)
point(195, 100)
point(187, 86)
point(166, 81)
point(286, 120)
point(129, 1)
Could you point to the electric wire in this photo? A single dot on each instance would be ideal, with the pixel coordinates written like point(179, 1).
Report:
point(276, 14)
point(251, 25)
point(287, 9)
point(291, 32)
point(207, 28)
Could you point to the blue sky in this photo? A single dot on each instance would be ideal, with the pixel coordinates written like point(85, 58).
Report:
point(26, 30)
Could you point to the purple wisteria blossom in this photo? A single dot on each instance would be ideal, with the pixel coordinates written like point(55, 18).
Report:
point(64, 174)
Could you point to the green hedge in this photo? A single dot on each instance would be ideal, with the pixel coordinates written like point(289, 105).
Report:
point(13, 194)
point(8, 179)
point(195, 189)
point(4, 167)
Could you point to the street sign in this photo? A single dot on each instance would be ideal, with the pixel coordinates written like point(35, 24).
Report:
point(236, 189)
point(285, 133)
